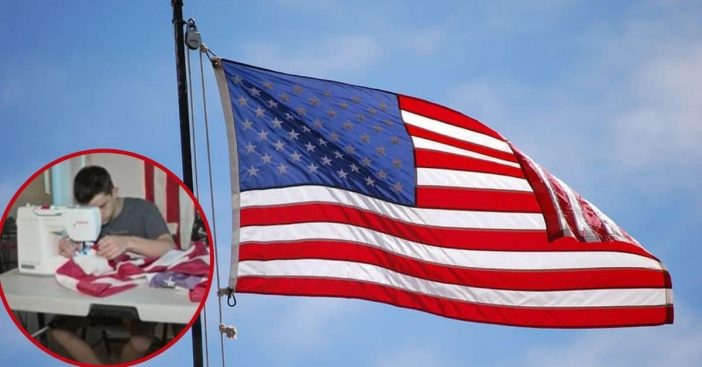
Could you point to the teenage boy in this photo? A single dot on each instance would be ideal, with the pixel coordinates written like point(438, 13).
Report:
point(128, 225)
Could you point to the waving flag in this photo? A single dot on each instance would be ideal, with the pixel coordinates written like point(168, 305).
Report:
point(346, 191)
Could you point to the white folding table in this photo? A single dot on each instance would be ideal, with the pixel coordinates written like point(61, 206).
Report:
point(43, 294)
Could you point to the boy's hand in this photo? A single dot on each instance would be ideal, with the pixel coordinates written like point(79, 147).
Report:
point(67, 248)
point(111, 247)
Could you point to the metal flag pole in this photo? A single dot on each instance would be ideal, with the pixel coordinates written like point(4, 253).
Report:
point(178, 24)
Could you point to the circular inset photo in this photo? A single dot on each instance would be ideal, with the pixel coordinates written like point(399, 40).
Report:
point(106, 258)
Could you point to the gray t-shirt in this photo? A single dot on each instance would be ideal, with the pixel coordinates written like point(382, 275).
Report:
point(139, 218)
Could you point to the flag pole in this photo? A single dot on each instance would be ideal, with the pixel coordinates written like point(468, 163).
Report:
point(186, 153)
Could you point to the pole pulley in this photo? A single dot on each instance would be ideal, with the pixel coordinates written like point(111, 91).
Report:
point(192, 35)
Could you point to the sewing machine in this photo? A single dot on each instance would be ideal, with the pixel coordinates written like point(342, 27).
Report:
point(39, 229)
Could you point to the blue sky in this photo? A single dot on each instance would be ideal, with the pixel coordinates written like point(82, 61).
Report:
point(606, 95)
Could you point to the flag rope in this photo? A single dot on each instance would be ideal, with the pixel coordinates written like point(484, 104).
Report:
point(196, 184)
point(212, 206)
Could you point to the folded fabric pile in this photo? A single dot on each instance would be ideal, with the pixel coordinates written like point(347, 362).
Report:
point(179, 269)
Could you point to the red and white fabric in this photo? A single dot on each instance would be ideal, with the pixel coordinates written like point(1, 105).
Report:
point(129, 271)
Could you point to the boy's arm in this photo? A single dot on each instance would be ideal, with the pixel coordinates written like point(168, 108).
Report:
point(114, 246)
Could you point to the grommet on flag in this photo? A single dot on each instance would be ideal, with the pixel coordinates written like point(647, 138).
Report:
point(229, 292)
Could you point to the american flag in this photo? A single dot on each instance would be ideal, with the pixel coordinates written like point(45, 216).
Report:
point(94, 276)
point(346, 191)
point(172, 201)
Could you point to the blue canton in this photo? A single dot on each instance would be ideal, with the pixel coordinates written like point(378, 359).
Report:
point(293, 130)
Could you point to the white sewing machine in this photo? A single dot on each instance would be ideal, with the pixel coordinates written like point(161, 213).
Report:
point(39, 229)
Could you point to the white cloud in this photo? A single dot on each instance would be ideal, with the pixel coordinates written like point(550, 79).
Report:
point(664, 126)
point(629, 108)
point(339, 54)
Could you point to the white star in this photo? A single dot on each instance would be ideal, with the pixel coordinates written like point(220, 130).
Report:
point(356, 99)
point(383, 106)
point(279, 145)
point(243, 101)
point(365, 138)
point(246, 124)
point(293, 134)
point(397, 163)
point(284, 97)
point(317, 123)
point(326, 161)
point(380, 150)
point(314, 101)
point(289, 116)
point(334, 136)
point(349, 149)
point(312, 168)
point(309, 147)
point(331, 113)
point(253, 171)
point(272, 103)
point(322, 142)
point(297, 89)
point(277, 123)
point(395, 140)
point(268, 84)
point(397, 187)
point(250, 148)
point(263, 135)
point(295, 156)
point(378, 129)
point(382, 174)
point(282, 168)
point(365, 161)
point(255, 91)
point(370, 181)
point(338, 154)
point(342, 174)
point(237, 79)
point(348, 125)
point(355, 168)
point(266, 158)
point(260, 111)
point(305, 129)
point(301, 110)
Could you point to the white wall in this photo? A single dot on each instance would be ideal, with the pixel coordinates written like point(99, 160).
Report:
point(127, 172)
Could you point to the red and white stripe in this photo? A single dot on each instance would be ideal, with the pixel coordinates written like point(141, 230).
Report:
point(493, 238)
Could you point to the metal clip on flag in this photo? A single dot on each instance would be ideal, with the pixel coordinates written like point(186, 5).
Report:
point(346, 191)
point(229, 331)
